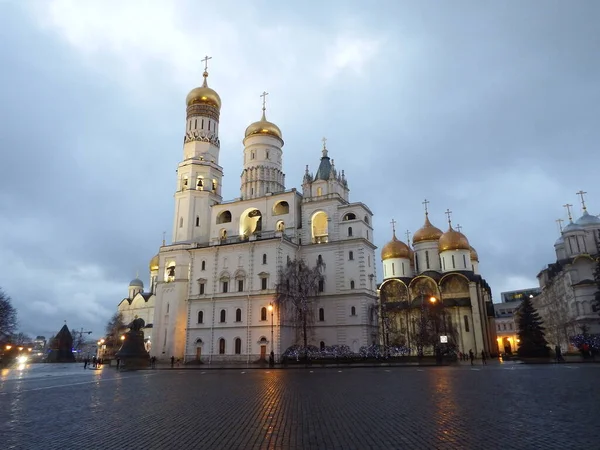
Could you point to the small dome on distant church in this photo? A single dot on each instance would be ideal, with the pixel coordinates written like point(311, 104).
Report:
point(395, 249)
point(572, 226)
point(136, 282)
point(587, 219)
point(154, 263)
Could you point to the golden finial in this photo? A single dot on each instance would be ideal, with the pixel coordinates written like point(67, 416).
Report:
point(581, 194)
point(264, 108)
point(205, 74)
point(568, 206)
point(449, 214)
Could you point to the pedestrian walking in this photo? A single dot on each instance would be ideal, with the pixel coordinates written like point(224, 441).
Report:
point(483, 358)
point(172, 362)
point(471, 356)
point(118, 363)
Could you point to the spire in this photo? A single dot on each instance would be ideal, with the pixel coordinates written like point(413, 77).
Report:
point(425, 203)
point(324, 147)
point(164, 234)
point(264, 107)
point(568, 206)
point(205, 74)
point(581, 194)
point(393, 222)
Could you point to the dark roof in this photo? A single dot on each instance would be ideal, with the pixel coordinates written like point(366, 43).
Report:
point(146, 295)
point(324, 169)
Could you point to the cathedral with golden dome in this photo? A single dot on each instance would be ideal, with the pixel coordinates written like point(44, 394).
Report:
point(433, 298)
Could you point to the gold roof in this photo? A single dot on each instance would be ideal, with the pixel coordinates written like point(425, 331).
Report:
point(263, 126)
point(427, 232)
point(203, 94)
point(395, 249)
point(474, 255)
point(453, 240)
point(154, 263)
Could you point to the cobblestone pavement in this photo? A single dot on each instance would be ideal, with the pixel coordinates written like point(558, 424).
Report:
point(482, 407)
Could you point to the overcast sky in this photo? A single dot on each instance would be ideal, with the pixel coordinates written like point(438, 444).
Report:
point(487, 108)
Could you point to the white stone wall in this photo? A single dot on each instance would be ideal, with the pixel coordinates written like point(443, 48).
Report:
point(424, 249)
point(462, 260)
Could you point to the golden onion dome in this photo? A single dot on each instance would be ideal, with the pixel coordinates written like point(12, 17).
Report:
point(263, 126)
point(203, 94)
point(474, 255)
point(395, 249)
point(427, 232)
point(154, 263)
point(453, 240)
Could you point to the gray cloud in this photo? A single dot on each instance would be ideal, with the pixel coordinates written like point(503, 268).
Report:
point(488, 110)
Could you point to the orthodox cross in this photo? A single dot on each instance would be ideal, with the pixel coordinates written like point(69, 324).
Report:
point(581, 194)
point(559, 222)
point(164, 235)
point(408, 237)
point(568, 206)
point(264, 97)
point(393, 222)
point(205, 61)
point(458, 227)
point(449, 213)
point(324, 140)
point(425, 203)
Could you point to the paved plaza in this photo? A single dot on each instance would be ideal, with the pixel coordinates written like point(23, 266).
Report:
point(484, 407)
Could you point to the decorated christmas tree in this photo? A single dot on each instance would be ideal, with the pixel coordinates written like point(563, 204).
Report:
point(531, 332)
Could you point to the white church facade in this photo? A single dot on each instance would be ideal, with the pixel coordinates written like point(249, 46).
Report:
point(214, 286)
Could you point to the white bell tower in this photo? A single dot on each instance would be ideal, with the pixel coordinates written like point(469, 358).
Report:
point(199, 175)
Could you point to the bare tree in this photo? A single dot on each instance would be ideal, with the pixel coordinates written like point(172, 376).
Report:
point(298, 286)
point(8, 316)
point(115, 326)
point(21, 338)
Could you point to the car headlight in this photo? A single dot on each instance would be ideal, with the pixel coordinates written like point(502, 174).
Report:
point(22, 359)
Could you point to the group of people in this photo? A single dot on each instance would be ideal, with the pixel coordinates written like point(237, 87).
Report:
point(95, 363)
point(471, 357)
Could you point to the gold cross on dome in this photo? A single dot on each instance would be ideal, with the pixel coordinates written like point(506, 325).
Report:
point(264, 97)
point(407, 237)
point(458, 227)
point(449, 214)
point(581, 194)
point(205, 61)
point(393, 222)
point(425, 203)
point(568, 206)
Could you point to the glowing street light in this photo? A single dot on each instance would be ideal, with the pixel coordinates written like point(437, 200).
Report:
point(433, 300)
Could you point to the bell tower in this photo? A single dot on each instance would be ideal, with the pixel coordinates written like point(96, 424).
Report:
point(199, 175)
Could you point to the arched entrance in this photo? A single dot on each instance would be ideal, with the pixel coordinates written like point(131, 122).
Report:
point(507, 346)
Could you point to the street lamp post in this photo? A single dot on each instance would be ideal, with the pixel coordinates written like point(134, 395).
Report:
point(272, 355)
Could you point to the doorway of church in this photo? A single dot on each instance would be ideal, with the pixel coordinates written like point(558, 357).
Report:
point(198, 353)
point(507, 347)
point(263, 352)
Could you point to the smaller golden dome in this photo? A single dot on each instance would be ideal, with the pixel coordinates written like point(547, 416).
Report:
point(154, 264)
point(263, 126)
point(453, 240)
point(427, 232)
point(395, 249)
point(203, 94)
point(474, 255)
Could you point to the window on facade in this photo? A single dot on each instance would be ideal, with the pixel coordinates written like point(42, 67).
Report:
point(321, 314)
point(240, 285)
point(369, 260)
point(203, 265)
point(504, 327)
point(403, 273)
point(350, 231)
point(201, 288)
point(202, 124)
point(393, 269)
point(263, 313)
point(322, 345)
point(263, 283)
point(350, 255)
point(195, 123)
point(510, 326)
point(181, 222)
point(252, 155)
point(353, 311)
point(199, 184)
point(466, 323)
point(351, 284)
point(197, 221)
point(214, 185)
point(238, 315)
point(185, 182)
point(453, 262)
point(349, 216)
point(238, 346)
point(167, 308)
point(221, 346)
point(444, 263)
point(367, 220)
point(200, 316)
point(223, 316)
point(465, 261)
point(267, 154)
point(416, 262)
point(427, 259)
point(225, 286)
point(319, 191)
point(367, 234)
point(264, 258)
point(321, 285)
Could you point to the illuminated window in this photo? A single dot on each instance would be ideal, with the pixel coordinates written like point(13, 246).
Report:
point(319, 191)
point(263, 313)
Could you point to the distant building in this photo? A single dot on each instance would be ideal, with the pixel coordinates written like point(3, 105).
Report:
point(517, 296)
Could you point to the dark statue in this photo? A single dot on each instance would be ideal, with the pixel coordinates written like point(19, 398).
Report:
point(133, 354)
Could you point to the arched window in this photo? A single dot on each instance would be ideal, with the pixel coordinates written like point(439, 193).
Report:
point(465, 261)
point(223, 316)
point(224, 217)
point(238, 346)
point(197, 221)
point(367, 220)
point(320, 227)
point(427, 258)
point(203, 265)
point(321, 314)
point(353, 311)
point(200, 184)
point(238, 315)
point(466, 323)
point(351, 284)
point(322, 345)
point(167, 308)
point(200, 316)
point(281, 208)
point(319, 191)
point(350, 255)
point(350, 231)
point(214, 185)
point(263, 313)
point(349, 216)
point(321, 285)
point(221, 346)
point(264, 258)
point(453, 262)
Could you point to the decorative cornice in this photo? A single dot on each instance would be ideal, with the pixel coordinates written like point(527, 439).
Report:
point(211, 138)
